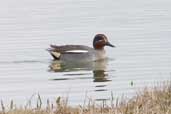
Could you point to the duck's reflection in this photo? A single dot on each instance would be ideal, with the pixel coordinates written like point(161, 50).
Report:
point(100, 76)
point(59, 66)
point(98, 68)
point(84, 70)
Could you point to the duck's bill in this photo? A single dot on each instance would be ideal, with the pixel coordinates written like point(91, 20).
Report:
point(109, 44)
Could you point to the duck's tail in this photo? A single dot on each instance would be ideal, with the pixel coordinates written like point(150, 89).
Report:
point(55, 54)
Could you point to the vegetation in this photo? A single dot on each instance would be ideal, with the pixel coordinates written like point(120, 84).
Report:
point(155, 100)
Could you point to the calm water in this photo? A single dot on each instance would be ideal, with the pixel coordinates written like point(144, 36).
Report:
point(141, 31)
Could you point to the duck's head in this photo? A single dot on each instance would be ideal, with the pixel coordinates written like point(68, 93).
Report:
point(100, 41)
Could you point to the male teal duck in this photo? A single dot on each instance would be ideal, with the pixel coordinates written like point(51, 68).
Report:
point(81, 52)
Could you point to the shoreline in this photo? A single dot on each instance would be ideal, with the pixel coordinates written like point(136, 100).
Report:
point(156, 100)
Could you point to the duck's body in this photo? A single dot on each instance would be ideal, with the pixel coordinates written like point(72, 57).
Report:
point(81, 52)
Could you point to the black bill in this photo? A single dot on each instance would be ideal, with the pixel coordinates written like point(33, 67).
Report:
point(109, 44)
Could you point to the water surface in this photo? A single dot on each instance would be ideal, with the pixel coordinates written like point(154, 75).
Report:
point(141, 31)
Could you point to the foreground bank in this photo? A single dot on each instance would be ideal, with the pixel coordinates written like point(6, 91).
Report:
point(155, 100)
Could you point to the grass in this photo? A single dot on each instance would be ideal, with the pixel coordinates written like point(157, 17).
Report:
point(155, 100)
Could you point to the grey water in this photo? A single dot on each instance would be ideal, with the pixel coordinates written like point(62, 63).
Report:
point(140, 30)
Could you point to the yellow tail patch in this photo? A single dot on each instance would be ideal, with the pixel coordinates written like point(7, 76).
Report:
point(56, 54)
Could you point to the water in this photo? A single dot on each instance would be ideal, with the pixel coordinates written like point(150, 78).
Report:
point(141, 31)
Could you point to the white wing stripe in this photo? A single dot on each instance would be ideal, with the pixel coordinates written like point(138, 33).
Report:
point(77, 51)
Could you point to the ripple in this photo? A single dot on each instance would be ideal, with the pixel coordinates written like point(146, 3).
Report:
point(24, 61)
point(74, 78)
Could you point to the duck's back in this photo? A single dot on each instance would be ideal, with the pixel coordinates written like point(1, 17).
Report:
point(72, 52)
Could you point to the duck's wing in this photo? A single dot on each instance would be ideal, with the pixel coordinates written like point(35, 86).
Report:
point(56, 51)
point(68, 48)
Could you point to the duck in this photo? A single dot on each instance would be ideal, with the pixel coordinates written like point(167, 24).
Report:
point(81, 52)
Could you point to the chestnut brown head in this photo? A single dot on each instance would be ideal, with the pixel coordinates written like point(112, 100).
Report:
point(100, 41)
